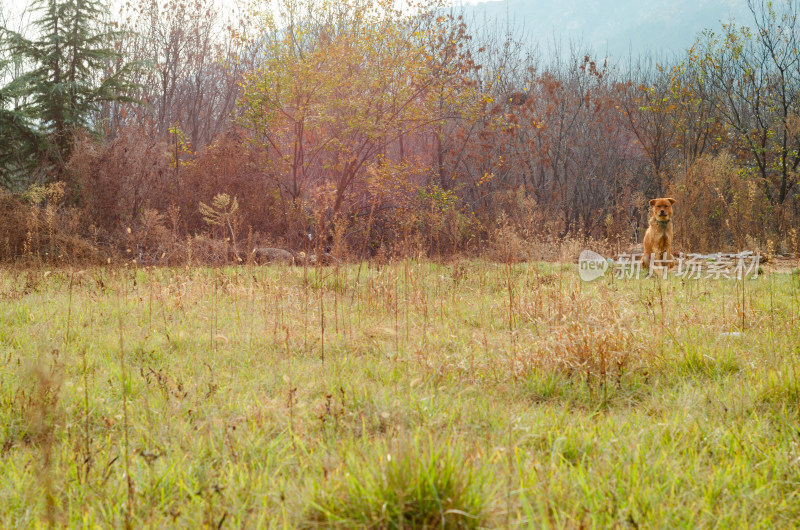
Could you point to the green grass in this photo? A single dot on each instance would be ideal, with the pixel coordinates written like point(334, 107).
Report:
point(465, 395)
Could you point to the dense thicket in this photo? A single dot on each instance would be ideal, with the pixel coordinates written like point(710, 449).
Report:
point(377, 131)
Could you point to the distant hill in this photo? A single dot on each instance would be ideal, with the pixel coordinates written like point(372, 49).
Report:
point(611, 27)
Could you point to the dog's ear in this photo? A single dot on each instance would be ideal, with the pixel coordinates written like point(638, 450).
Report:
point(652, 202)
point(671, 201)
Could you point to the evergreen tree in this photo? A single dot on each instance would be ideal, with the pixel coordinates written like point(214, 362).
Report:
point(71, 69)
point(19, 140)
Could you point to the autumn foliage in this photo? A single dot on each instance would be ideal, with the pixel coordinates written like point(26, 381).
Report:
point(369, 130)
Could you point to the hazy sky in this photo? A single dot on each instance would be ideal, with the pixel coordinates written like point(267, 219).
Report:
point(670, 24)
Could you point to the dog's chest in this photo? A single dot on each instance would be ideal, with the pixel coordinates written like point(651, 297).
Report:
point(661, 238)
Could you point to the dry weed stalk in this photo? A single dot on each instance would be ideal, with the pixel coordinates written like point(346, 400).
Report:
point(42, 421)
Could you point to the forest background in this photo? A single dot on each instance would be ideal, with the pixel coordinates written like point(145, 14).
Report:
point(172, 132)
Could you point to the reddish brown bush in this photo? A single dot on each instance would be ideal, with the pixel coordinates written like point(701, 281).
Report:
point(36, 227)
point(119, 180)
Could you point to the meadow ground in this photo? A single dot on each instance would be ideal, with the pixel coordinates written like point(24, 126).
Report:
point(413, 394)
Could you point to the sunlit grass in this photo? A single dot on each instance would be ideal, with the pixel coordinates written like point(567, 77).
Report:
point(469, 394)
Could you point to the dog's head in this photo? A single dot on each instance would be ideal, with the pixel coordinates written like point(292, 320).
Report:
point(662, 208)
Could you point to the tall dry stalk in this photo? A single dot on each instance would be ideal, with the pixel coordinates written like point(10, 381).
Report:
point(124, 388)
point(87, 440)
point(42, 424)
point(69, 308)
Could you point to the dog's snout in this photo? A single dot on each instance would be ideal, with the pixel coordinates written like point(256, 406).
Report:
point(663, 212)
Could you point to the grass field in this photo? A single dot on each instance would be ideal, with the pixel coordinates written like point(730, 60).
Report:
point(409, 395)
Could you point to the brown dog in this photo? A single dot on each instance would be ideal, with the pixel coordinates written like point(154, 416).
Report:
point(658, 238)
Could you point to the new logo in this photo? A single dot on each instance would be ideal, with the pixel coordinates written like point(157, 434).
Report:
point(591, 265)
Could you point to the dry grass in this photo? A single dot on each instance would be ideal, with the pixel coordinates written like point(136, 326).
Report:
point(408, 394)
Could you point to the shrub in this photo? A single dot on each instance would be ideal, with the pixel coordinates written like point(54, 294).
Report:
point(718, 206)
